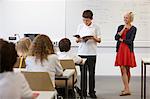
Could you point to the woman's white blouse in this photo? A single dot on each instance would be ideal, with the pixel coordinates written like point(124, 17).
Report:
point(51, 65)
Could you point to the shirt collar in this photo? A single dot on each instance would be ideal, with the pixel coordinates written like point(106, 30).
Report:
point(89, 26)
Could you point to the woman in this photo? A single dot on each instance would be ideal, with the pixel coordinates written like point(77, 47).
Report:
point(42, 57)
point(125, 50)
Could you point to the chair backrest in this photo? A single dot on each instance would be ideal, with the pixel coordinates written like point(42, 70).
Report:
point(67, 63)
point(39, 81)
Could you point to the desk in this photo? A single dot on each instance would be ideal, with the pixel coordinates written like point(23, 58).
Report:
point(46, 94)
point(67, 74)
point(144, 63)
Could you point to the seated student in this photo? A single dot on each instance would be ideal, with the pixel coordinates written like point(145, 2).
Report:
point(42, 57)
point(22, 47)
point(12, 85)
point(64, 47)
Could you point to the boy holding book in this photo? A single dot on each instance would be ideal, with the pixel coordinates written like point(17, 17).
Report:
point(88, 35)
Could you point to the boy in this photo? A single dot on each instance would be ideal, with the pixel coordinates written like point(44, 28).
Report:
point(89, 36)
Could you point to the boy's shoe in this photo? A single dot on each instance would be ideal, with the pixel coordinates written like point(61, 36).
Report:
point(92, 95)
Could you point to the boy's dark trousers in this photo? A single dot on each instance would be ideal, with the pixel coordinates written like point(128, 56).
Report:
point(89, 66)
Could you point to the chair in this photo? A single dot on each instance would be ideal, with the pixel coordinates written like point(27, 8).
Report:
point(39, 81)
point(67, 64)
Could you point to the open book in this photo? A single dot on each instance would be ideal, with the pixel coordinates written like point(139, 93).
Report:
point(83, 37)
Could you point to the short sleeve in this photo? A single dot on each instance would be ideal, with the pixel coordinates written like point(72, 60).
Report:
point(58, 67)
point(98, 31)
point(78, 29)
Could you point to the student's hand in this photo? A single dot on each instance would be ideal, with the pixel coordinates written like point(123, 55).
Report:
point(78, 40)
point(35, 95)
point(96, 39)
point(83, 61)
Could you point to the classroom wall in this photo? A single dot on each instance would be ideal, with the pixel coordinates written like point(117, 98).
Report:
point(108, 14)
point(59, 18)
point(32, 16)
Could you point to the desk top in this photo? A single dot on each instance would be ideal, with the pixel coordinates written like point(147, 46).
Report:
point(46, 94)
point(146, 60)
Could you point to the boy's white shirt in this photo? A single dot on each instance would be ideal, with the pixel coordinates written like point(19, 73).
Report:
point(89, 47)
point(69, 55)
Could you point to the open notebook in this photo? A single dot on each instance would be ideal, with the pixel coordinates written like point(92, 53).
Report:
point(83, 37)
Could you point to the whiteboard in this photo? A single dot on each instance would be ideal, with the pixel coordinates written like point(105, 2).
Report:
point(32, 16)
point(60, 18)
point(108, 14)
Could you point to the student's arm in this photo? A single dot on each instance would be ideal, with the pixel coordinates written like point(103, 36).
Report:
point(78, 39)
point(97, 37)
point(76, 59)
point(58, 67)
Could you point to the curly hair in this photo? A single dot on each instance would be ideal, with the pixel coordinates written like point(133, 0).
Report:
point(41, 47)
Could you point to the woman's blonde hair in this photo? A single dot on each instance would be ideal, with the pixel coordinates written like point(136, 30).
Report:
point(22, 46)
point(41, 47)
point(131, 15)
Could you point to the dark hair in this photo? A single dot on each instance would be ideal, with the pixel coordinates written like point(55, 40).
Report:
point(64, 45)
point(8, 56)
point(87, 14)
